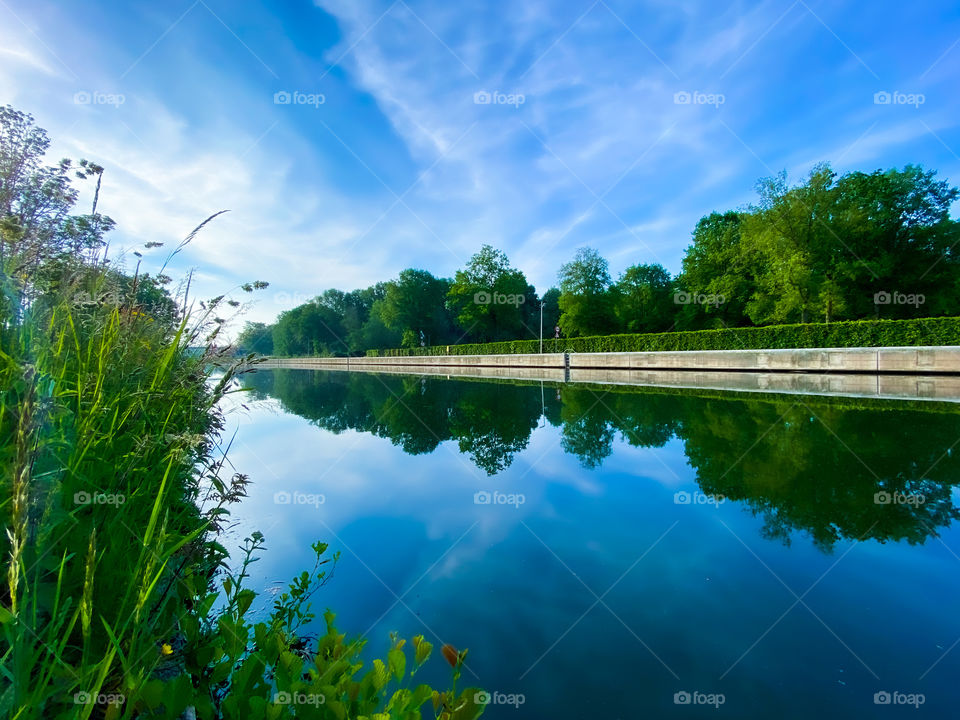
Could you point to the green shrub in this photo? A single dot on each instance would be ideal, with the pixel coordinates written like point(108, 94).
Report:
point(856, 333)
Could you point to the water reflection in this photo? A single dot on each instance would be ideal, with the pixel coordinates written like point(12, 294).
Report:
point(831, 468)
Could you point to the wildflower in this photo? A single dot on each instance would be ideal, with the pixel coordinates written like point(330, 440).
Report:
point(166, 649)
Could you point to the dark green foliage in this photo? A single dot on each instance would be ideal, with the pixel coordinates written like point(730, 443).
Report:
point(857, 333)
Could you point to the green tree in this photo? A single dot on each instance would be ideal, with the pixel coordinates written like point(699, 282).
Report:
point(37, 227)
point(551, 311)
point(256, 337)
point(897, 237)
point(790, 229)
point(374, 334)
point(644, 299)
point(309, 329)
point(415, 306)
point(718, 264)
point(488, 297)
point(586, 305)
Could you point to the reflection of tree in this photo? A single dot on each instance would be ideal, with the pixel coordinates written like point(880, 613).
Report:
point(587, 430)
point(801, 464)
point(646, 420)
point(491, 424)
point(819, 469)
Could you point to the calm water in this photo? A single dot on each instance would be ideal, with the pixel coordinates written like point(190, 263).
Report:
point(601, 550)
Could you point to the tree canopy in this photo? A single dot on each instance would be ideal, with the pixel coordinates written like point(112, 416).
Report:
point(832, 247)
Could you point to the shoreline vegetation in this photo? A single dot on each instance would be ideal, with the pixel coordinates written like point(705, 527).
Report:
point(852, 247)
point(119, 600)
point(855, 333)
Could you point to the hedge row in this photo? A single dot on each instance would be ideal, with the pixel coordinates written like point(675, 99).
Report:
point(854, 333)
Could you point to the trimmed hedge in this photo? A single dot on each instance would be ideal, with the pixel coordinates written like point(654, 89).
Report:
point(854, 333)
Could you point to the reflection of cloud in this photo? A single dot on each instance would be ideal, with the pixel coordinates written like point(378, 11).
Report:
point(364, 477)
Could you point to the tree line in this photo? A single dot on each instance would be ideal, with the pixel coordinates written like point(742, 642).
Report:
point(833, 247)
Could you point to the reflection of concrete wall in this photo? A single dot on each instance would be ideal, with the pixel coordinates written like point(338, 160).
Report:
point(905, 387)
point(921, 360)
point(447, 371)
point(891, 360)
point(528, 361)
point(912, 387)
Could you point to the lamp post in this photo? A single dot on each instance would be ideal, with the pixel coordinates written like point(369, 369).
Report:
point(541, 326)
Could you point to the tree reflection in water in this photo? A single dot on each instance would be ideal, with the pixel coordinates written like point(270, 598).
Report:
point(824, 466)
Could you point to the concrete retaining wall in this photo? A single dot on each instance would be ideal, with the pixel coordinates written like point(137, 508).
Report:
point(919, 360)
point(863, 385)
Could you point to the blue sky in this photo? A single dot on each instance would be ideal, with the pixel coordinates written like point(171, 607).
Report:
point(386, 157)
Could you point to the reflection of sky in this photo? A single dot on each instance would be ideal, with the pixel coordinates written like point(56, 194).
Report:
point(561, 598)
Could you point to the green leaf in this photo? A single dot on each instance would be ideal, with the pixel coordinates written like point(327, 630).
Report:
point(398, 662)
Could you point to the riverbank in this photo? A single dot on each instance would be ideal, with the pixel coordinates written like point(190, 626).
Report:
point(853, 385)
point(919, 360)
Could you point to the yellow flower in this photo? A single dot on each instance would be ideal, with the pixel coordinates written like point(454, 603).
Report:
point(166, 649)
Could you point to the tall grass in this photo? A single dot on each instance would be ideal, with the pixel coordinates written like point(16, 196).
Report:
point(119, 601)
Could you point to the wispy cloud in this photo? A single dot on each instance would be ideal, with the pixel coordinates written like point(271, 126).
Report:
point(537, 127)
